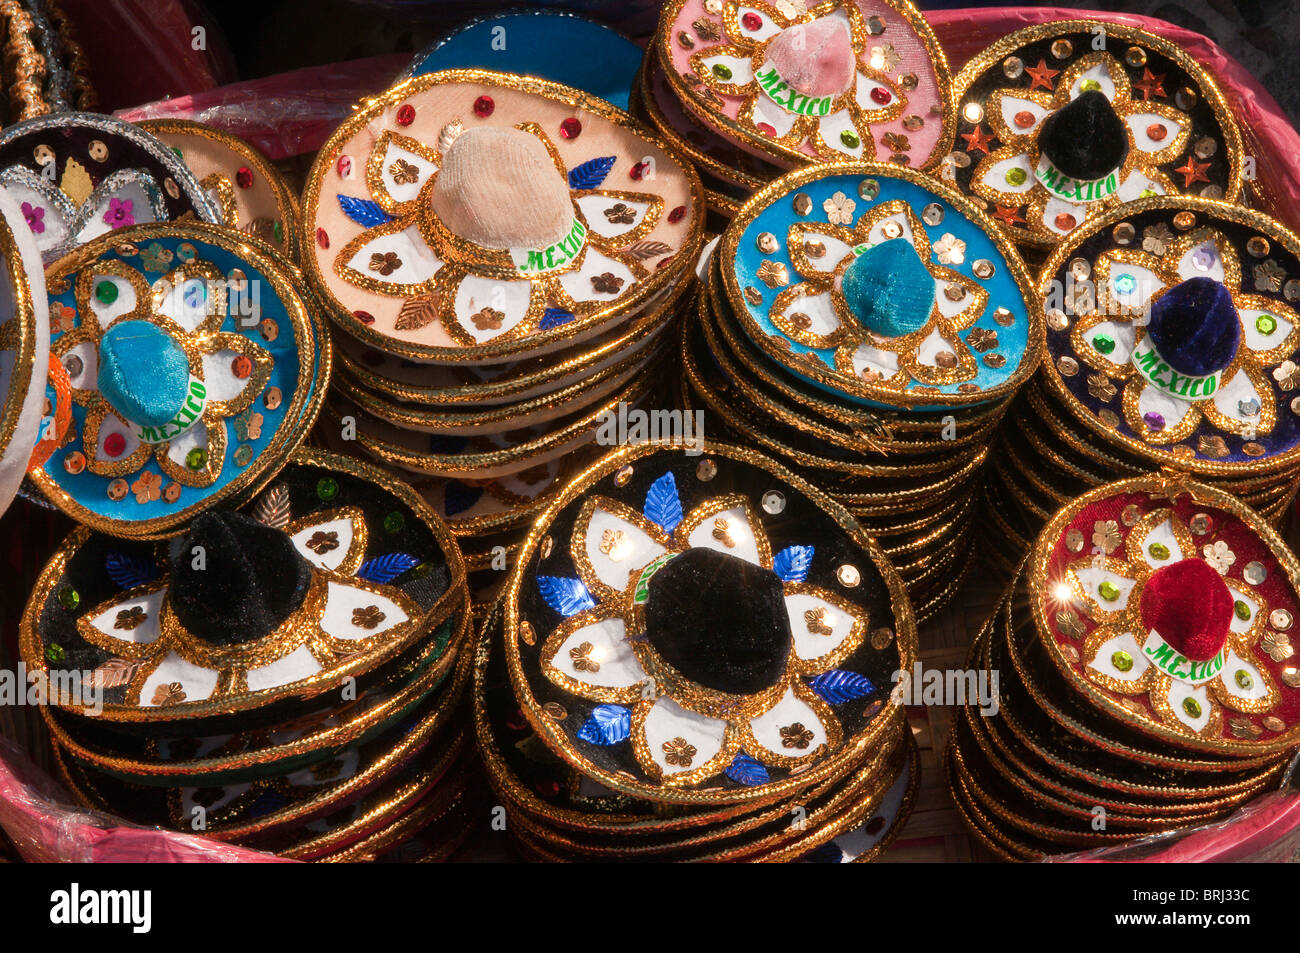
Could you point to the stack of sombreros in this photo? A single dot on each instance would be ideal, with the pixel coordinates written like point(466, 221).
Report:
point(694, 660)
point(751, 90)
point(868, 327)
point(501, 256)
point(1172, 343)
point(284, 674)
point(1145, 672)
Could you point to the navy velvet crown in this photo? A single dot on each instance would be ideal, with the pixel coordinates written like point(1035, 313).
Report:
point(1195, 328)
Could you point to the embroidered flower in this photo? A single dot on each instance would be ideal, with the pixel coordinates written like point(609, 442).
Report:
point(367, 617)
point(773, 274)
point(621, 214)
point(1099, 386)
point(1106, 536)
point(1287, 375)
point(950, 250)
point(156, 257)
point(385, 262)
point(147, 488)
point(796, 736)
point(1269, 275)
point(839, 209)
point(488, 319)
point(1157, 238)
point(119, 214)
point(322, 542)
point(1276, 645)
point(403, 172)
point(679, 752)
point(171, 693)
point(35, 216)
point(129, 619)
point(1218, 555)
point(606, 283)
point(582, 660)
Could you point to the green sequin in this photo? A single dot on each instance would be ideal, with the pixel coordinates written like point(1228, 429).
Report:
point(1241, 609)
point(1016, 176)
point(1104, 343)
point(1148, 194)
point(1108, 591)
point(1122, 661)
point(1265, 324)
point(850, 139)
point(106, 292)
point(1192, 707)
point(394, 522)
point(69, 598)
point(55, 654)
point(196, 459)
point(1243, 679)
point(327, 488)
point(1089, 85)
point(722, 71)
point(1158, 551)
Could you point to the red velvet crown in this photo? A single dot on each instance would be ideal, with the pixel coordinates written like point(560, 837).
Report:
point(1190, 605)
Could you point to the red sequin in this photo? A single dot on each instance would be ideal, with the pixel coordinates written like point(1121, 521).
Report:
point(1024, 119)
point(751, 22)
point(483, 107)
point(114, 444)
point(241, 367)
point(639, 170)
point(322, 239)
point(570, 128)
point(881, 95)
point(406, 115)
point(244, 177)
point(765, 128)
point(1065, 221)
point(676, 215)
point(1156, 132)
point(365, 317)
point(344, 166)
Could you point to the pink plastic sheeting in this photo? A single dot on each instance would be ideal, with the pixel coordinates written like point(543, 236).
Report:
point(46, 828)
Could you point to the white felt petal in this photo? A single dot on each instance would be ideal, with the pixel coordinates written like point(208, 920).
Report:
point(866, 357)
point(406, 191)
point(1054, 207)
point(141, 211)
point(877, 233)
point(197, 683)
point(766, 28)
point(1102, 661)
point(629, 548)
point(594, 207)
point(1154, 401)
point(1238, 624)
point(1255, 339)
point(808, 644)
point(947, 307)
point(1139, 123)
point(820, 311)
point(88, 354)
point(187, 302)
point(616, 664)
point(418, 262)
point(55, 222)
point(142, 634)
point(667, 721)
point(862, 93)
point(124, 302)
point(113, 424)
point(1145, 284)
point(1013, 105)
point(340, 602)
point(742, 70)
point(933, 345)
point(1204, 253)
point(1257, 688)
point(1121, 332)
point(1101, 75)
point(1163, 534)
point(1135, 183)
point(832, 129)
point(1091, 579)
point(836, 251)
point(332, 558)
point(510, 299)
point(579, 286)
point(1237, 391)
point(219, 376)
point(735, 539)
point(996, 175)
point(766, 111)
point(294, 667)
point(1178, 691)
point(791, 712)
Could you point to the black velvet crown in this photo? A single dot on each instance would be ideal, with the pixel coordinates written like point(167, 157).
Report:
point(1195, 328)
point(1085, 139)
point(249, 580)
point(719, 620)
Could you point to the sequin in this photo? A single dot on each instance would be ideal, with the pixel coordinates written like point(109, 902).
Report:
point(405, 115)
point(484, 107)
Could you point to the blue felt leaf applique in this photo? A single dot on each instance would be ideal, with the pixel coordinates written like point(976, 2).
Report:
point(662, 504)
point(838, 686)
point(745, 770)
point(363, 211)
point(607, 725)
point(384, 569)
point(564, 594)
point(591, 173)
point(130, 571)
point(554, 318)
point(792, 563)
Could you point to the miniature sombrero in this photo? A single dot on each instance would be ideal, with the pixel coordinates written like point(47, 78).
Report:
point(558, 45)
point(1060, 122)
point(714, 629)
point(468, 216)
point(333, 572)
point(799, 81)
point(879, 286)
point(1170, 611)
point(195, 369)
point(77, 176)
point(252, 196)
point(1172, 334)
point(24, 348)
